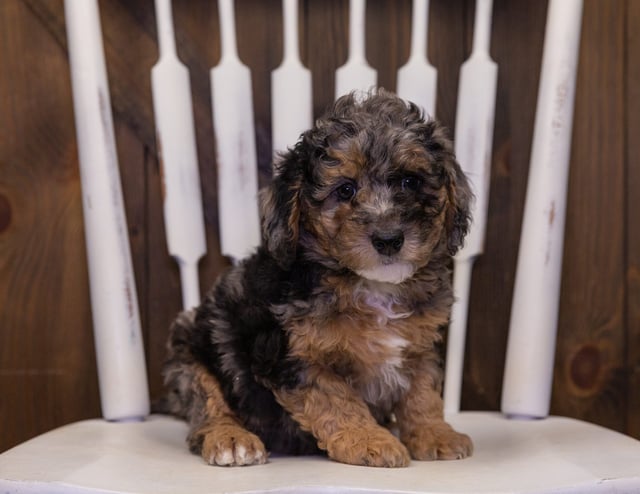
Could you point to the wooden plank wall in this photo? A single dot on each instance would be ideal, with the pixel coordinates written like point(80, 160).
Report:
point(47, 368)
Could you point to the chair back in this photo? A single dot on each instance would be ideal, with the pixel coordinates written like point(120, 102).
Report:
point(531, 345)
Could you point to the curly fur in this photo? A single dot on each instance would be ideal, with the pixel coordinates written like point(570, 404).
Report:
point(329, 331)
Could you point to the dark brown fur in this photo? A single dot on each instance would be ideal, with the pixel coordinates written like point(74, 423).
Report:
point(330, 329)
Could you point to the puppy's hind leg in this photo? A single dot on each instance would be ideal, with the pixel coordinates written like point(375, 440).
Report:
point(219, 437)
point(195, 395)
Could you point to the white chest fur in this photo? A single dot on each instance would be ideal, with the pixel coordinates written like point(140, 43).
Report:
point(388, 379)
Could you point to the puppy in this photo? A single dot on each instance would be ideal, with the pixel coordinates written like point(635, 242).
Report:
point(315, 342)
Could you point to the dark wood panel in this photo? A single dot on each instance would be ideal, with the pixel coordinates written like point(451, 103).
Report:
point(388, 24)
point(590, 364)
point(632, 123)
point(449, 45)
point(325, 46)
point(523, 24)
point(47, 364)
point(259, 31)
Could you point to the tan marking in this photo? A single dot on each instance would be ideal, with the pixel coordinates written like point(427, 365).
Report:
point(353, 344)
point(421, 423)
point(225, 441)
point(341, 422)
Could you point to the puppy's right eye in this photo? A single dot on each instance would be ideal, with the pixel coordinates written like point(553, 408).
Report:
point(346, 191)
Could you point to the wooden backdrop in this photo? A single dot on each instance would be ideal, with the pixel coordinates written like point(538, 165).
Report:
point(47, 368)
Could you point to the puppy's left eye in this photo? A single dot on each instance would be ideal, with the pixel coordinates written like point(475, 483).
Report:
point(410, 183)
point(346, 191)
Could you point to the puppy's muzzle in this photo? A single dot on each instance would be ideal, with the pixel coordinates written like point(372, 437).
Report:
point(387, 243)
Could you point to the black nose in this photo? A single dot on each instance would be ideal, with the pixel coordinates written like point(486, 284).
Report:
point(387, 243)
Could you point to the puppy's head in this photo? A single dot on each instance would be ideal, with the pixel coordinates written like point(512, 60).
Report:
point(372, 187)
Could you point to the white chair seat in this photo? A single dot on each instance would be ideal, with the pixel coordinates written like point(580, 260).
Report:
point(558, 455)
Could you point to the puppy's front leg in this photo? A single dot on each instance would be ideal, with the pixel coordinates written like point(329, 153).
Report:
point(421, 420)
point(341, 422)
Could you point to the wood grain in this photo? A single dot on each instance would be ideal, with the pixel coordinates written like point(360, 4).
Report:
point(324, 41)
point(494, 272)
point(47, 364)
point(388, 24)
point(590, 359)
point(632, 225)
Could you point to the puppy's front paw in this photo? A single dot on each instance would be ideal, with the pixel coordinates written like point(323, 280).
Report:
point(438, 442)
point(369, 446)
point(232, 445)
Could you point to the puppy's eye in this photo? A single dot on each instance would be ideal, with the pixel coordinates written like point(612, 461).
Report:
point(410, 183)
point(346, 191)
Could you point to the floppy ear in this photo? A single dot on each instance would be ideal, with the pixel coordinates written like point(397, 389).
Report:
point(280, 210)
point(458, 214)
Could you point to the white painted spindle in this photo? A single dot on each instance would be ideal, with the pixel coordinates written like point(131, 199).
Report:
point(291, 95)
point(534, 313)
point(473, 146)
point(114, 304)
point(232, 100)
point(182, 200)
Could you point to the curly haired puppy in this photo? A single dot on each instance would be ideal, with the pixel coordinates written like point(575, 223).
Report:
point(315, 341)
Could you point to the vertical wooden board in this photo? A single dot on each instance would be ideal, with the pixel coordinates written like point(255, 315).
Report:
point(130, 54)
point(590, 359)
point(47, 363)
point(516, 46)
point(326, 38)
point(388, 38)
point(259, 33)
point(632, 226)
point(447, 50)
point(197, 33)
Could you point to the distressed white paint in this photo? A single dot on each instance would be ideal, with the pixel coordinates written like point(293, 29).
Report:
point(176, 142)
point(291, 95)
point(473, 147)
point(114, 303)
point(534, 312)
point(235, 142)
point(454, 363)
point(418, 79)
point(356, 73)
